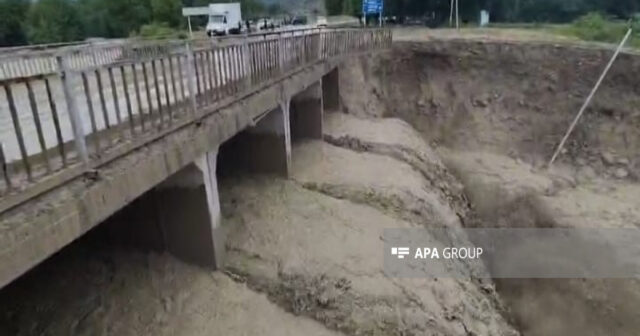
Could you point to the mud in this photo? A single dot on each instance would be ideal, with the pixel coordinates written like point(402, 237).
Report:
point(313, 243)
point(494, 111)
point(304, 256)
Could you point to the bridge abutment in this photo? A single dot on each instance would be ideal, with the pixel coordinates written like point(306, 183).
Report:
point(306, 113)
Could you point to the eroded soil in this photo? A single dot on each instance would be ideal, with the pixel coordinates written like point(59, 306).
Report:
point(494, 109)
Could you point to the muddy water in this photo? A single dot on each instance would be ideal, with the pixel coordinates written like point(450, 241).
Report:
point(304, 256)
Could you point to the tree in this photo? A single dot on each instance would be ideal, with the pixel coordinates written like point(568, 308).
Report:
point(12, 15)
point(51, 21)
point(114, 18)
point(333, 7)
point(252, 8)
point(274, 9)
point(167, 11)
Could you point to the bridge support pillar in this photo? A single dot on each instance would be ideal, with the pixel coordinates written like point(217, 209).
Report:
point(262, 148)
point(189, 213)
point(306, 113)
point(331, 91)
point(269, 143)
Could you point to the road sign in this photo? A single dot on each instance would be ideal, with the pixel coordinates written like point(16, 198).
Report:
point(195, 11)
point(372, 6)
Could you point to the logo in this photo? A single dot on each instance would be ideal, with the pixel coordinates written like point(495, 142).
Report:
point(400, 252)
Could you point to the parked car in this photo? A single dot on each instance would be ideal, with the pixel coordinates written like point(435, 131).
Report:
point(299, 21)
point(322, 22)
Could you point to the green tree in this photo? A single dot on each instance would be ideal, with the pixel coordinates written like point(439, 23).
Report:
point(51, 21)
point(333, 7)
point(252, 8)
point(114, 18)
point(12, 15)
point(167, 11)
point(274, 9)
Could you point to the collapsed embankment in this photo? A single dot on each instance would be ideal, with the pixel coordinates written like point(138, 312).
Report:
point(494, 112)
point(510, 98)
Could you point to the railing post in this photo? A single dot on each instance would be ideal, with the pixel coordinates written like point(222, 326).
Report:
point(67, 76)
point(246, 63)
point(191, 78)
point(281, 51)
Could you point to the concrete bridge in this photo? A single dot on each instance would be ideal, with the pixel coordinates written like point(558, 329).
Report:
point(87, 131)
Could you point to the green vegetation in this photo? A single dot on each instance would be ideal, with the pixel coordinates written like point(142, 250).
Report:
point(12, 14)
point(54, 21)
point(547, 11)
point(49, 21)
point(596, 27)
point(160, 31)
point(43, 21)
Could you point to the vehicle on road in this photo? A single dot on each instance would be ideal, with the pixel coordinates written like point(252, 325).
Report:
point(321, 22)
point(299, 21)
point(224, 18)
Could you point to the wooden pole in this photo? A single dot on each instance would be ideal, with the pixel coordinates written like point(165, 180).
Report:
point(451, 14)
point(458, 14)
point(588, 100)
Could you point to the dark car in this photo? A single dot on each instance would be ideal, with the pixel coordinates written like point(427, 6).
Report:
point(299, 21)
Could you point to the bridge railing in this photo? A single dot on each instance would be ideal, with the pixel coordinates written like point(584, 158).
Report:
point(100, 103)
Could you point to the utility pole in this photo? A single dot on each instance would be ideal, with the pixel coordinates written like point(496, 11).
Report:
point(458, 14)
point(588, 100)
point(451, 13)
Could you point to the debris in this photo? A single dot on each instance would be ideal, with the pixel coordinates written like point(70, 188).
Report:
point(621, 173)
point(607, 158)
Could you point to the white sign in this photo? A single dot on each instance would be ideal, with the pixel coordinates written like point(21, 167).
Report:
point(195, 11)
point(484, 18)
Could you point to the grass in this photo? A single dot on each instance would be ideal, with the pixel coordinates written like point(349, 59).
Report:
point(595, 27)
point(592, 27)
point(157, 30)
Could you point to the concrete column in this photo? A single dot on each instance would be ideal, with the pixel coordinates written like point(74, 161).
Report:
point(263, 148)
point(306, 113)
point(189, 213)
point(331, 91)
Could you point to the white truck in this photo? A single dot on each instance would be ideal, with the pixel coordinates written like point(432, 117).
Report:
point(224, 18)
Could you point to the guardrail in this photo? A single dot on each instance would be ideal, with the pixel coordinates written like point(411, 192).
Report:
point(96, 105)
point(33, 60)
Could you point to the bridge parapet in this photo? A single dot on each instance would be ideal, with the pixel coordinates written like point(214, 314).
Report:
point(67, 114)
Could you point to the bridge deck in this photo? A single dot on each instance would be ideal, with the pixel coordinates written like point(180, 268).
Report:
point(65, 115)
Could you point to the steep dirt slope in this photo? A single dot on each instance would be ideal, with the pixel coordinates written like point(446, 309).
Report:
point(511, 98)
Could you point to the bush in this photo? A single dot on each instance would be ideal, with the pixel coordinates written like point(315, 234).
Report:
point(160, 30)
point(595, 27)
